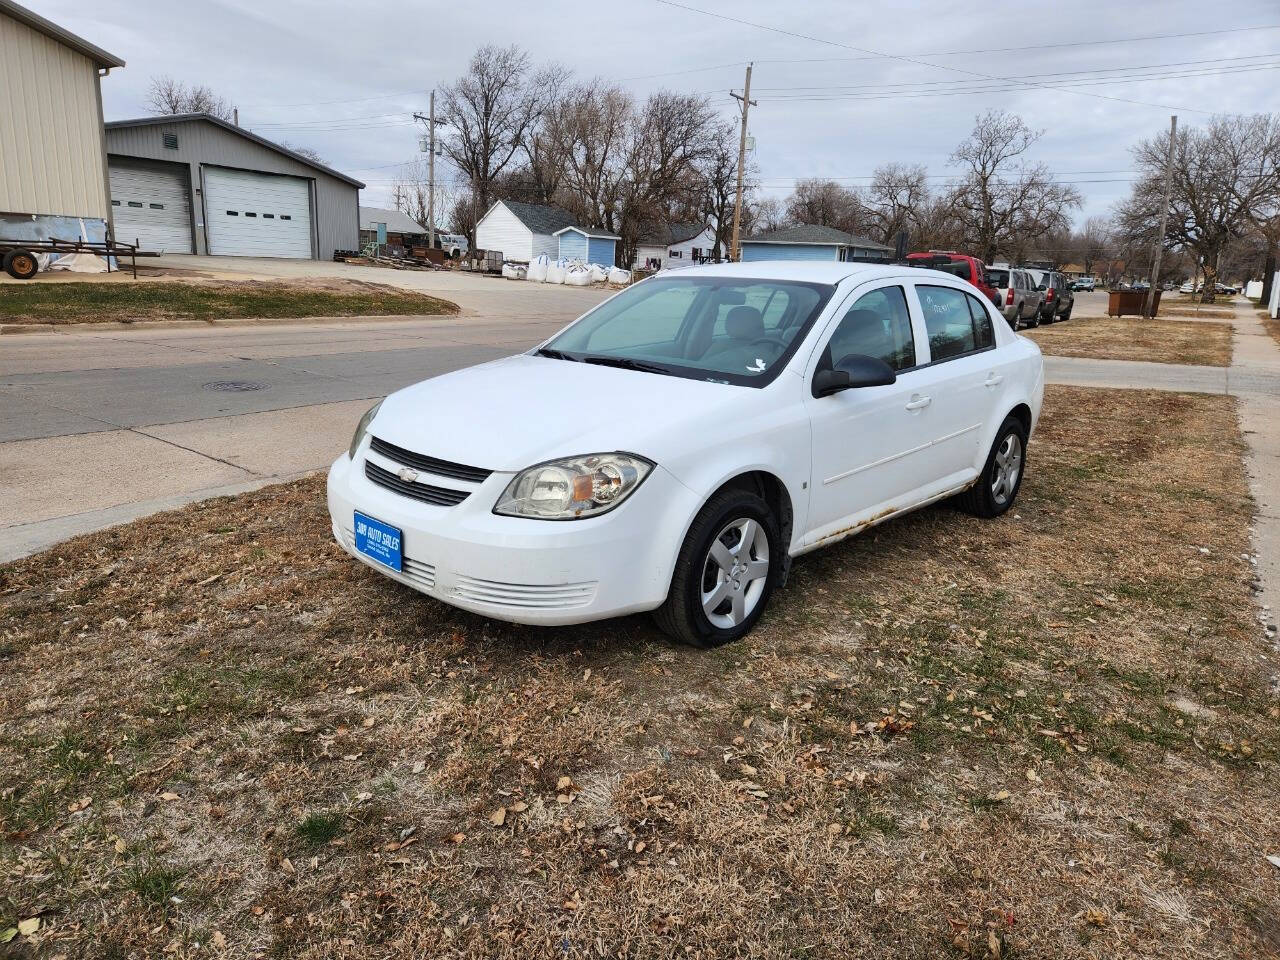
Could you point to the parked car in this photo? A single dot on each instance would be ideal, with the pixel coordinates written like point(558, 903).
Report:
point(961, 264)
point(1085, 283)
point(1187, 287)
point(674, 448)
point(1225, 288)
point(453, 244)
point(1058, 299)
point(1016, 295)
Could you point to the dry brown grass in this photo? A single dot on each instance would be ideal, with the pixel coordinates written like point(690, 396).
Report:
point(1052, 735)
point(1121, 338)
point(1272, 326)
point(197, 298)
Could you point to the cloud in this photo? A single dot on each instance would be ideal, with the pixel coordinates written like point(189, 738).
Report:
point(345, 82)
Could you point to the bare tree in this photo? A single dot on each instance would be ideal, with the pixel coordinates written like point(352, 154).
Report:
point(165, 95)
point(1003, 202)
point(1226, 181)
point(895, 199)
point(763, 216)
point(302, 151)
point(826, 203)
point(490, 108)
point(720, 187)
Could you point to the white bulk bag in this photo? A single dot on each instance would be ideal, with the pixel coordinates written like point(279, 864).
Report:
point(578, 277)
point(620, 276)
point(598, 273)
point(555, 272)
point(538, 268)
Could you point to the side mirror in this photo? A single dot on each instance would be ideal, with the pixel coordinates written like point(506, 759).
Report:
point(853, 371)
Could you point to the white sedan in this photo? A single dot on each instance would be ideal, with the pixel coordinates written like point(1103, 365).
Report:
point(673, 449)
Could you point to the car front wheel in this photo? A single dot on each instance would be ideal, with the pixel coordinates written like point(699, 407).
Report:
point(1001, 476)
point(726, 571)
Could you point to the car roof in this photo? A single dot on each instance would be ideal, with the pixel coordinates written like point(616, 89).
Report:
point(805, 271)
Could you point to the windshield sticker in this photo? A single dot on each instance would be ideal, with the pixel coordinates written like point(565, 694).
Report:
point(757, 367)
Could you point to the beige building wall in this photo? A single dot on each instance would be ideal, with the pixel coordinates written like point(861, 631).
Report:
point(51, 141)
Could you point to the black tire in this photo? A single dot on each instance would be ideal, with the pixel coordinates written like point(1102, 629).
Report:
point(21, 264)
point(1067, 315)
point(980, 499)
point(682, 616)
point(1035, 319)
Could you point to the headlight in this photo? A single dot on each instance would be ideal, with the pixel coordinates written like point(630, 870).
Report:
point(573, 488)
point(362, 428)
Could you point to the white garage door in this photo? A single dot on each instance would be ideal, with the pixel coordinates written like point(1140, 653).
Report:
point(151, 205)
point(257, 214)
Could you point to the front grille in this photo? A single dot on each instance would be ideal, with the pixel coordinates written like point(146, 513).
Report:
point(529, 596)
point(420, 573)
point(423, 574)
point(441, 468)
point(440, 496)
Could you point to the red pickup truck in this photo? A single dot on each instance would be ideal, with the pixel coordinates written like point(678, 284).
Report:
point(962, 265)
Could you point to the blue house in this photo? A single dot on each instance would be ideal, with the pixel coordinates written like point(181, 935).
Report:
point(588, 244)
point(809, 242)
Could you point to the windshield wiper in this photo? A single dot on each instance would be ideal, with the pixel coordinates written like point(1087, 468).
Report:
point(554, 354)
point(626, 363)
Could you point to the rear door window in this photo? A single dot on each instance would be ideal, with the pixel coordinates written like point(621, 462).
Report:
point(983, 335)
point(998, 278)
point(948, 319)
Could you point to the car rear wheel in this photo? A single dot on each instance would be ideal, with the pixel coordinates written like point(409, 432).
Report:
point(1001, 476)
point(726, 571)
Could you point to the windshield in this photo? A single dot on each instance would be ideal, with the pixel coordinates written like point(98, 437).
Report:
point(726, 329)
point(997, 278)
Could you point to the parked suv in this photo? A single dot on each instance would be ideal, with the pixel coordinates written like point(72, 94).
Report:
point(1016, 295)
point(453, 244)
point(1085, 283)
point(959, 264)
point(1058, 298)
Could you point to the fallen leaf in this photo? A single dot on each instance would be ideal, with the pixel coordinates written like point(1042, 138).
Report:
point(458, 838)
point(419, 767)
point(518, 807)
point(121, 846)
point(8, 934)
point(1273, 860)
point(169, 796)
point(75, 807)
point(498, 817)
point(287, 865)
point(218, 940)
point(29, 926)
point(564, 783)
point(367, 722)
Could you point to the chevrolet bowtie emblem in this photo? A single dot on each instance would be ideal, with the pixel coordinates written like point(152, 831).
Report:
point(407, 475)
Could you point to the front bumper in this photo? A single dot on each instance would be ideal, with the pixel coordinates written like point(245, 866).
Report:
point(521, 570)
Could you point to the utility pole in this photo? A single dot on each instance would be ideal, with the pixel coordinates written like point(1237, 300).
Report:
point(431, 122)
point(1149, 307)
point(735, 252)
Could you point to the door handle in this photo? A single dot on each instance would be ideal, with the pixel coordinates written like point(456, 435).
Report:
point(918, 402)
point(993, 380)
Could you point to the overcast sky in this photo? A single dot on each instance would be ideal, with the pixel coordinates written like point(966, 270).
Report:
point(344, 78)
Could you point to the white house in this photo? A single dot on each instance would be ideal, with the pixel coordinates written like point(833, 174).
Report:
point(522, 231)
point(673, 245)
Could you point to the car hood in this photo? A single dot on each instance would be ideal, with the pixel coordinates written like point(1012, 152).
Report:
point(511, 413)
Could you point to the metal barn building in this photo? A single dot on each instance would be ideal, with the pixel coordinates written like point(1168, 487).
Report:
point(53, 170)
point(193, 183)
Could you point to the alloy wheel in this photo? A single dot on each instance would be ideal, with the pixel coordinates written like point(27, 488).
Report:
point(734, 572)
point(1006, 469)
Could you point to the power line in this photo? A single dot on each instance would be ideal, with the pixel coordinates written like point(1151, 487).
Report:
point(913, 60)
point(1037, 46)
point(1035, 76)
point(1065, 86)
